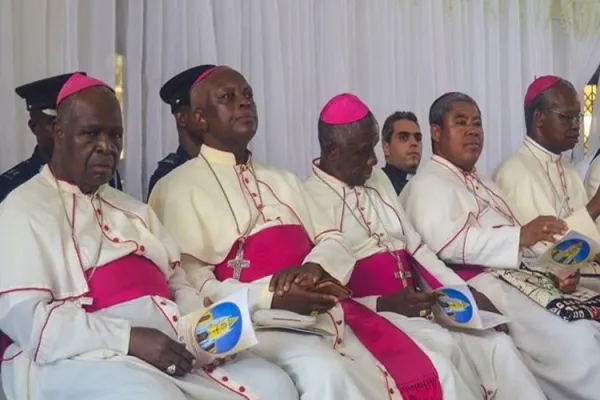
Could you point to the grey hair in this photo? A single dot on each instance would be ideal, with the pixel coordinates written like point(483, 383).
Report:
point(442, 105)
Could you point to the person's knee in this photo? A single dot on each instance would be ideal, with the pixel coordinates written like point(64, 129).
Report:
point(444, 367)
point(280, 385)
point(323, 371)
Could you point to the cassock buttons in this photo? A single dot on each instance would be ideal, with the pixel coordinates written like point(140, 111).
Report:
point(115, 240)
point(163, 303)
point(338, 322)
point(224, 379)
point(392, 391)
point(242, 389)
point(106, 228)
point(174, 318)
point(246, 180)
point(339, 341)
point(142, 249)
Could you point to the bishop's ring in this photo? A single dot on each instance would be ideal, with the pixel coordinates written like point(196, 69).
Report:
point(171, 369)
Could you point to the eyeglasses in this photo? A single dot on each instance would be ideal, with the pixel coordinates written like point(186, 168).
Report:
point(571, 119)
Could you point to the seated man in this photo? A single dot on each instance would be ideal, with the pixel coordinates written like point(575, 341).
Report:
point(40, 97)
point(176, 93)
point(466, 220)
point(402, 147)
point(92, 291)
point(364, 206)
point(241, 223)
point(537, 179)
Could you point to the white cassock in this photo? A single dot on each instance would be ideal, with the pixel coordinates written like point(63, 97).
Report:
point(592, 177)
point(53, 254)
point(208, 204)
point(539, 182)
point(467, 220)
point(373, 220)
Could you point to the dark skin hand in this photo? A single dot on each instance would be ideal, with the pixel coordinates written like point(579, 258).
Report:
point(543, 228)
point(486, 304)
point(408, 302)
point(158, 349)
point(306, 276)
point(569, 284)
point(302, 301)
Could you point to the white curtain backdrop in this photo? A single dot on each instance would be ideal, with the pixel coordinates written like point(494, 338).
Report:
point(395, 54)
point(40, 38)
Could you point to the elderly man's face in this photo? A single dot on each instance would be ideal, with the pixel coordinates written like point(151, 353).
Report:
point(89, 138)
point(561, 123)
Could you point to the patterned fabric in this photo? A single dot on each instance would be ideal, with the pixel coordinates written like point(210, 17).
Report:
point(538, 284)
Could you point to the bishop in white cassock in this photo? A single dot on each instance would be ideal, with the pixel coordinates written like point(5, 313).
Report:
point(243, 224)
point(364, 206)
point(91, 291)
point(467, 221)
point(538, 179)
point(592, 174)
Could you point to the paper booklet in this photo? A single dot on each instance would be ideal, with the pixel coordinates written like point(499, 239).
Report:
point(572, 252)
point(457, 308)
point(223, 329)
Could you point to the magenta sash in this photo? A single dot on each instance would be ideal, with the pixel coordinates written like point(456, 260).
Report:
point(278, 247)
point(117, 282)
point(125, 279)
point(374, 276)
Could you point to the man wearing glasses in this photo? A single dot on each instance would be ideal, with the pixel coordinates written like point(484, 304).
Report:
point(538, 179)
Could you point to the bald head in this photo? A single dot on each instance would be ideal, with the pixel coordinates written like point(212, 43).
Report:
point(88, 138)
point(223, 110)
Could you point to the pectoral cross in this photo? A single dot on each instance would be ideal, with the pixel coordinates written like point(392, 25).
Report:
point(402, 275)
point(238, 263)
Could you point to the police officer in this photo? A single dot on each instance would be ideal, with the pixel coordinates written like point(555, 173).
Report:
point(40, 98)
point(176, 93)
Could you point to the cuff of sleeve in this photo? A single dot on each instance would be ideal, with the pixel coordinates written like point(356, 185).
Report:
point(368, 301)
point(119, 341)
point(259, 297)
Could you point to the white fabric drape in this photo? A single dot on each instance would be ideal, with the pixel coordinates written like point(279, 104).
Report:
point(396, 54)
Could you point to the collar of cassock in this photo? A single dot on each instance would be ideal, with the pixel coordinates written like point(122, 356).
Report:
point(65, 187)
point(452, 167)
point(332, 180)
point(396, 172)
point(215, 156)
point(541, 153)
